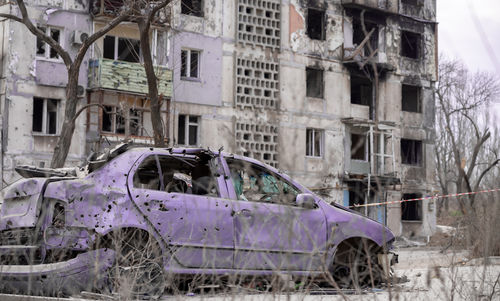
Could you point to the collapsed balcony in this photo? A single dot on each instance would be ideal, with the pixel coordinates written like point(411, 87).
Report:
point(364, 41)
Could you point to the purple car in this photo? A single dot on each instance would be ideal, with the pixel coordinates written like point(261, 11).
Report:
point(151, 214)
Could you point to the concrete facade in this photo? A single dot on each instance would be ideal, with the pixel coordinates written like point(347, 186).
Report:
point(295, 83)
point(27, 74)
point(265, 110)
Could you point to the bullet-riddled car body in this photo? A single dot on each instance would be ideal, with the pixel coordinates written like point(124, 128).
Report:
point(205, 212)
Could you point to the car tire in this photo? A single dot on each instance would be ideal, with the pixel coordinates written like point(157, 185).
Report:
point(356, 265)
point(138, 268)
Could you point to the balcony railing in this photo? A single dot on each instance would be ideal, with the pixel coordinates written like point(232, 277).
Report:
point(128, 77)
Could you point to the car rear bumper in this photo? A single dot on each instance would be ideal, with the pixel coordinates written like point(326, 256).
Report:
point(84, 272)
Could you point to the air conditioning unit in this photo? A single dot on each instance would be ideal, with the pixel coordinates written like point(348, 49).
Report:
point(79, 37)
point(80, 91)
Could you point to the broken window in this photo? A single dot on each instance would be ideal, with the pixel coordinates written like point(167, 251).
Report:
point(45, 115)
point(188, 130)
point(257, 184)
point(174, 174)
point(412, 210)
point(316, 24)
point(359, 35)
point(411, 2)
point(358, 147)
point(410, 44)
point(43, 49)
point(190, 63)
point(314, 142)
point(411, 98)
point(357, 195)
point(121, 121)
point(192, 7)
point(314, 81)
point(411, 152)
point(121, 49)
point(361, 90)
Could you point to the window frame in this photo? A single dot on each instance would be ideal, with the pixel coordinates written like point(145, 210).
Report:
point(193, 13)
point(188, 76)
point(115, 48)
point(418, 206)
point(323, 24)
point(310, 142)
point(44, 131)
point(365, 147)
point(419, 98)
point(127, 117)
point(187, 124)
point(419, 52)
point(47, 31)
point(322, 89)
point(420, 158)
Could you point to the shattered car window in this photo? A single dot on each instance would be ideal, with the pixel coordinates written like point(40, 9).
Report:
point(255, 183)
point(175, 174)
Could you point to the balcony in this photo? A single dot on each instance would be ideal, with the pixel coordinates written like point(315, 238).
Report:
point(127, 77)
point(388, 6)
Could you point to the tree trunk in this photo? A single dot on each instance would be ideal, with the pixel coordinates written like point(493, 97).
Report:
point(159, 137)
point(64, 142)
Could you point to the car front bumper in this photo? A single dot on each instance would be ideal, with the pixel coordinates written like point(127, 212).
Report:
point(84, 272)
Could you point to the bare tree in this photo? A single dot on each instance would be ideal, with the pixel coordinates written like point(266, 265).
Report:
point(73, 66)
point(464, 156)
point(147, 12)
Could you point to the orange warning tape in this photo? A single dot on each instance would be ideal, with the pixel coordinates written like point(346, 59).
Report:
point(425, 198)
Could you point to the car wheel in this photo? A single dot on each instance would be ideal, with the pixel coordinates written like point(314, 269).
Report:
point(356, 265)
point(138, 269)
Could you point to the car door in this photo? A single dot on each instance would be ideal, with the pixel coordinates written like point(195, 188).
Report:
point(270, 231)
point(196, 224)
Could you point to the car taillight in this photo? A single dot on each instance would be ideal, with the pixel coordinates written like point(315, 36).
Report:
point(59, 216)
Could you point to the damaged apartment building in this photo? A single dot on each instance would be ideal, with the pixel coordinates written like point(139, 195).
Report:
point(338, 93)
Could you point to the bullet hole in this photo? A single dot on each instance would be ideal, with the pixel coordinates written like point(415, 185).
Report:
point(147, 204)
point(217, 229)
point(226, 205)
point(109, 207)
point(205, 229)
point(181, 218)
point(81, 215)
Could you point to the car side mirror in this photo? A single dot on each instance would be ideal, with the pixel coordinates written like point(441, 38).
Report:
point(305, 200)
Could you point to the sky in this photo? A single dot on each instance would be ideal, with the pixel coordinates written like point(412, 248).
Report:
point(470, 30)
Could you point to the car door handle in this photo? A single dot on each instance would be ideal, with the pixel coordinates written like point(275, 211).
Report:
point(244, 212)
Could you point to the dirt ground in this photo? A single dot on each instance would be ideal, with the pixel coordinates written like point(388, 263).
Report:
point(425, 273)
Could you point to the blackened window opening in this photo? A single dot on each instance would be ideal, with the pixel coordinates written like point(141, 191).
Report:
point(37, 114)
point(192, 7)
point(410, 44)
point(412, 210)
point(361, 90)
point(411, 152)
point(316, 24)
point(356, 195)
point(314, 81)
point(411, 98)
point(410, 2)
point(359, 35)
point(358, 147)
point(107, 119)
